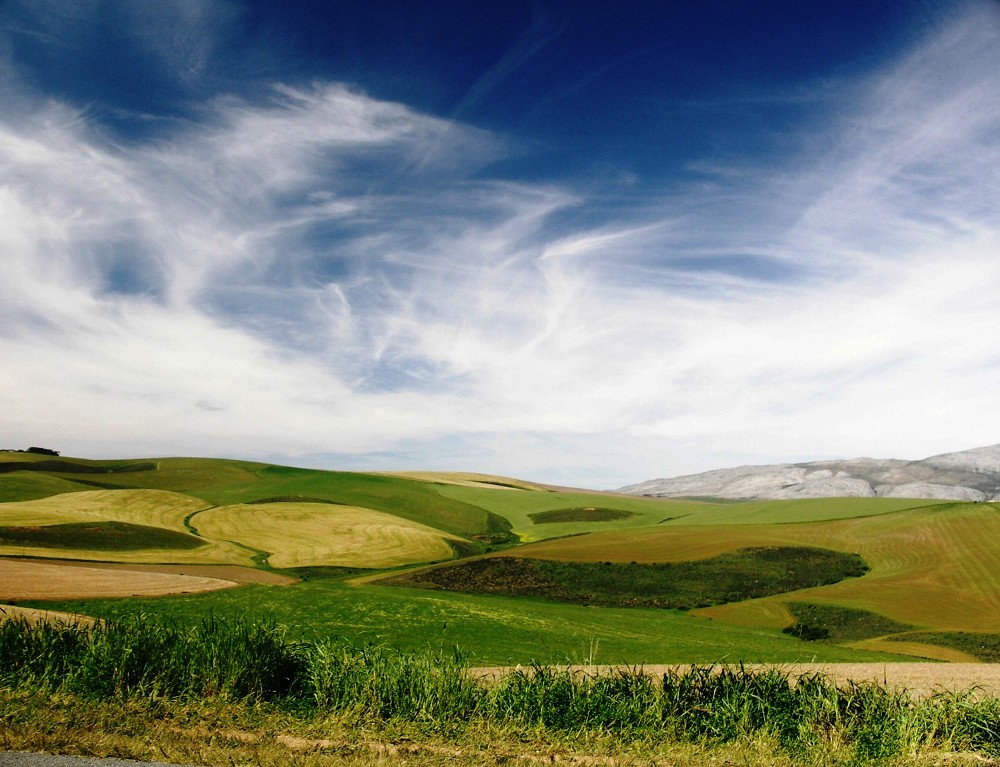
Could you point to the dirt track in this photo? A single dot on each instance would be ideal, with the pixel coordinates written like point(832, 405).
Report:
point(30, 578)
point(21, 579)
point(920, 679)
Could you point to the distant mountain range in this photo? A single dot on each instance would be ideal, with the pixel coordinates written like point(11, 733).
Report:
point(969, 475)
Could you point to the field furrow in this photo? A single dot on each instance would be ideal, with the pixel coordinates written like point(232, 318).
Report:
point(310, 534)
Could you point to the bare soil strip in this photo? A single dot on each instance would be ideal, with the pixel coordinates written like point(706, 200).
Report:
point(21, 579)
point(222, 572)
point(34, 616)
point(919, 679)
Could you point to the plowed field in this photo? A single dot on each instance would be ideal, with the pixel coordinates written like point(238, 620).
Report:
point(21, 579)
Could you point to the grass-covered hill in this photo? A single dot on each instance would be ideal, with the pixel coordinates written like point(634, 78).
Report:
point(513, 571)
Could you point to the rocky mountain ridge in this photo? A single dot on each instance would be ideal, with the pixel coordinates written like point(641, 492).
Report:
point(968, 475)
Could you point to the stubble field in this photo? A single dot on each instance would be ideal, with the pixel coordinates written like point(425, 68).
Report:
point(20, 580)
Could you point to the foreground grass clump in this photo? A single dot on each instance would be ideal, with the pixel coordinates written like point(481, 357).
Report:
point(136, 657)
point(315, 685)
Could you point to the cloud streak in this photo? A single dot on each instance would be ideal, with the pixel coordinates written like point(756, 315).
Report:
point(319, 275)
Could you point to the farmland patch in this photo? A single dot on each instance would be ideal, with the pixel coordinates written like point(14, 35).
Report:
point(26, 580)
point(99, 536)
point(520, 508)
point(467, 479)
point(935, 566)
point(308, 534)
point(731, 577)
point(418, 502)
point(104, 511)
point(155, 508)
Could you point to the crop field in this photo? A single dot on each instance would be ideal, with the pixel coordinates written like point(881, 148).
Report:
point(933, 566)
point(25, 581)
point(61, 526)
point(583, 573)
point(33, 474)
point(304, 534)
point(554, 514)
point(155, 508)
point(467, 479)
point(219, 482)
point(800, 510)
point(521, 510)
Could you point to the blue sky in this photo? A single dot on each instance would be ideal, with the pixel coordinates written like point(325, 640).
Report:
point(583, 243)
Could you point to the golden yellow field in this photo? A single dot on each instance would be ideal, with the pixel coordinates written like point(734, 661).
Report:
point(154, 508)
point(303, 534)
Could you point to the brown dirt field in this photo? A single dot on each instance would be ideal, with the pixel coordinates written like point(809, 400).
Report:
point(34, 616)
point(20, 579)
point(220, 572)
point(920, 679)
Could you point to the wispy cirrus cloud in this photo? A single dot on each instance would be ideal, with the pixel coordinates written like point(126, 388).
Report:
point(317, 273)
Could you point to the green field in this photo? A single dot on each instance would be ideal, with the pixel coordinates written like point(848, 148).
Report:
point(595, 563)
point(491, 630)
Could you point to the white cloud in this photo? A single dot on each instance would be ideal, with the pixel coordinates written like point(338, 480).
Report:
point(326, 273)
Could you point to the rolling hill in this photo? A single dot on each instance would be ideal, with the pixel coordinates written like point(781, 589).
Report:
point(466, 556)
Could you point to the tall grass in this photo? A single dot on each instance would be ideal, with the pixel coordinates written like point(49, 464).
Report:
point(137, 656)
point(242, 660)
point(375, 683)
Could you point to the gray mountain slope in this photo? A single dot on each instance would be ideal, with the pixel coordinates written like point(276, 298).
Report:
point(969, 475)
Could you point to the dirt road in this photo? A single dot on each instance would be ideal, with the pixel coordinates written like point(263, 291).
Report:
point(920, 679)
